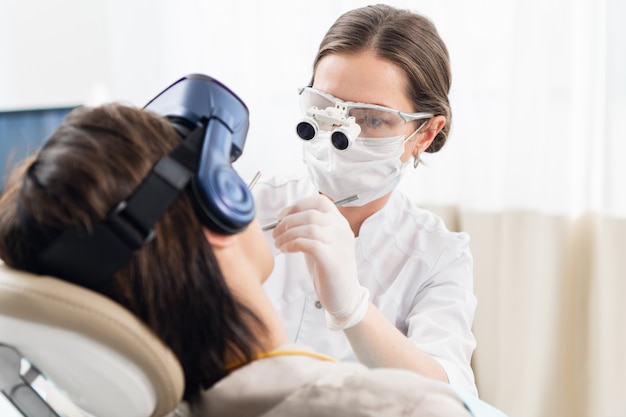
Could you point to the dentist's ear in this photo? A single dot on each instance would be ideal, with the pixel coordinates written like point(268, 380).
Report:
point(428, 133)
point(217, 240)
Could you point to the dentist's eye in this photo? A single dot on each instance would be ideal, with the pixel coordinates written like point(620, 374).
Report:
point(376, 123)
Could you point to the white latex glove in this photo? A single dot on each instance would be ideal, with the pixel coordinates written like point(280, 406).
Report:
point(314, 226)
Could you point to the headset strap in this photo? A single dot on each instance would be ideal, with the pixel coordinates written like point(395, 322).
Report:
point(91, 257)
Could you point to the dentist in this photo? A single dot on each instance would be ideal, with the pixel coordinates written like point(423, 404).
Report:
point(377, 279)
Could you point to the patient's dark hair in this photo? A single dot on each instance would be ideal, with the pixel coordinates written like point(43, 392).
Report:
point(94, 160)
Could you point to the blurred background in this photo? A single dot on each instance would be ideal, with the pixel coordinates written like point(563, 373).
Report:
point(532, 170)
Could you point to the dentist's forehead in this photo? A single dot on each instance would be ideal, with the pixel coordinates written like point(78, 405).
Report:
point(363, 77)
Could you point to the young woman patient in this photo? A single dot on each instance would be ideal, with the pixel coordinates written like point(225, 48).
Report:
point(199, 290)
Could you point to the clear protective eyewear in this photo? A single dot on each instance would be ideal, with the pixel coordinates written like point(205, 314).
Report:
point(324, 112)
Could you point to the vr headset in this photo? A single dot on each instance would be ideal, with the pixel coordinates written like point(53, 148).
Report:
point(213, 124)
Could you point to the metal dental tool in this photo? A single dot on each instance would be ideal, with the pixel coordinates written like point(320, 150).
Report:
point(254, 180)
point(337, 203)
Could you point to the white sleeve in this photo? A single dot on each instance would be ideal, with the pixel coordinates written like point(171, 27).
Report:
point(440, 321)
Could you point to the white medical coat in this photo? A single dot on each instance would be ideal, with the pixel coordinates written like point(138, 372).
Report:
point(419, 275)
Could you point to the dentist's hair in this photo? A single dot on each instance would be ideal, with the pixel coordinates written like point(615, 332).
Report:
point(94, 160)
point(406, 39)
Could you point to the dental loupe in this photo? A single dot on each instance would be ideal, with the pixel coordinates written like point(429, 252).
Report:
point(341, 137)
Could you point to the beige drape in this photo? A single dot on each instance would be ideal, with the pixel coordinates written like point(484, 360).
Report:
point(551, 316)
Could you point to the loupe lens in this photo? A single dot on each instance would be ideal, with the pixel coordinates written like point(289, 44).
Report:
point(306, 130)
point(340, 140)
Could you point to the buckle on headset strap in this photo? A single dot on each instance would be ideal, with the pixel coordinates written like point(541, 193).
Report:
point(133, 219)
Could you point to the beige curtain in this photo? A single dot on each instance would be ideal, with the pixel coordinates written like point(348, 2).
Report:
point(551, 316)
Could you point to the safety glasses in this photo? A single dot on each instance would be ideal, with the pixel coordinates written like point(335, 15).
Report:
point(375, 121)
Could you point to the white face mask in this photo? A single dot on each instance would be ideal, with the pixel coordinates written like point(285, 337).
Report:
point(370, 168)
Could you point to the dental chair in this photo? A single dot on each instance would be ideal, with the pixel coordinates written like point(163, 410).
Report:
point(68, 351)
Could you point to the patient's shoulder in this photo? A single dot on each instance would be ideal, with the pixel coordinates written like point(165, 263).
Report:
point(306, 386)
point(380, 392)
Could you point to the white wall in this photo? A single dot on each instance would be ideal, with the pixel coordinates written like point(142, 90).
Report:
point(538, 95)
point(67, 52)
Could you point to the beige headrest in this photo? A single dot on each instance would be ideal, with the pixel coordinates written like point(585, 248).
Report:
point(88, 345)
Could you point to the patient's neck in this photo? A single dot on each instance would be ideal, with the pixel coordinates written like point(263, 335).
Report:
point(274, 333)
point(244, 277)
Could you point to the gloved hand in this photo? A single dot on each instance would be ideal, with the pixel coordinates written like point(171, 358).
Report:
point(314, 226)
